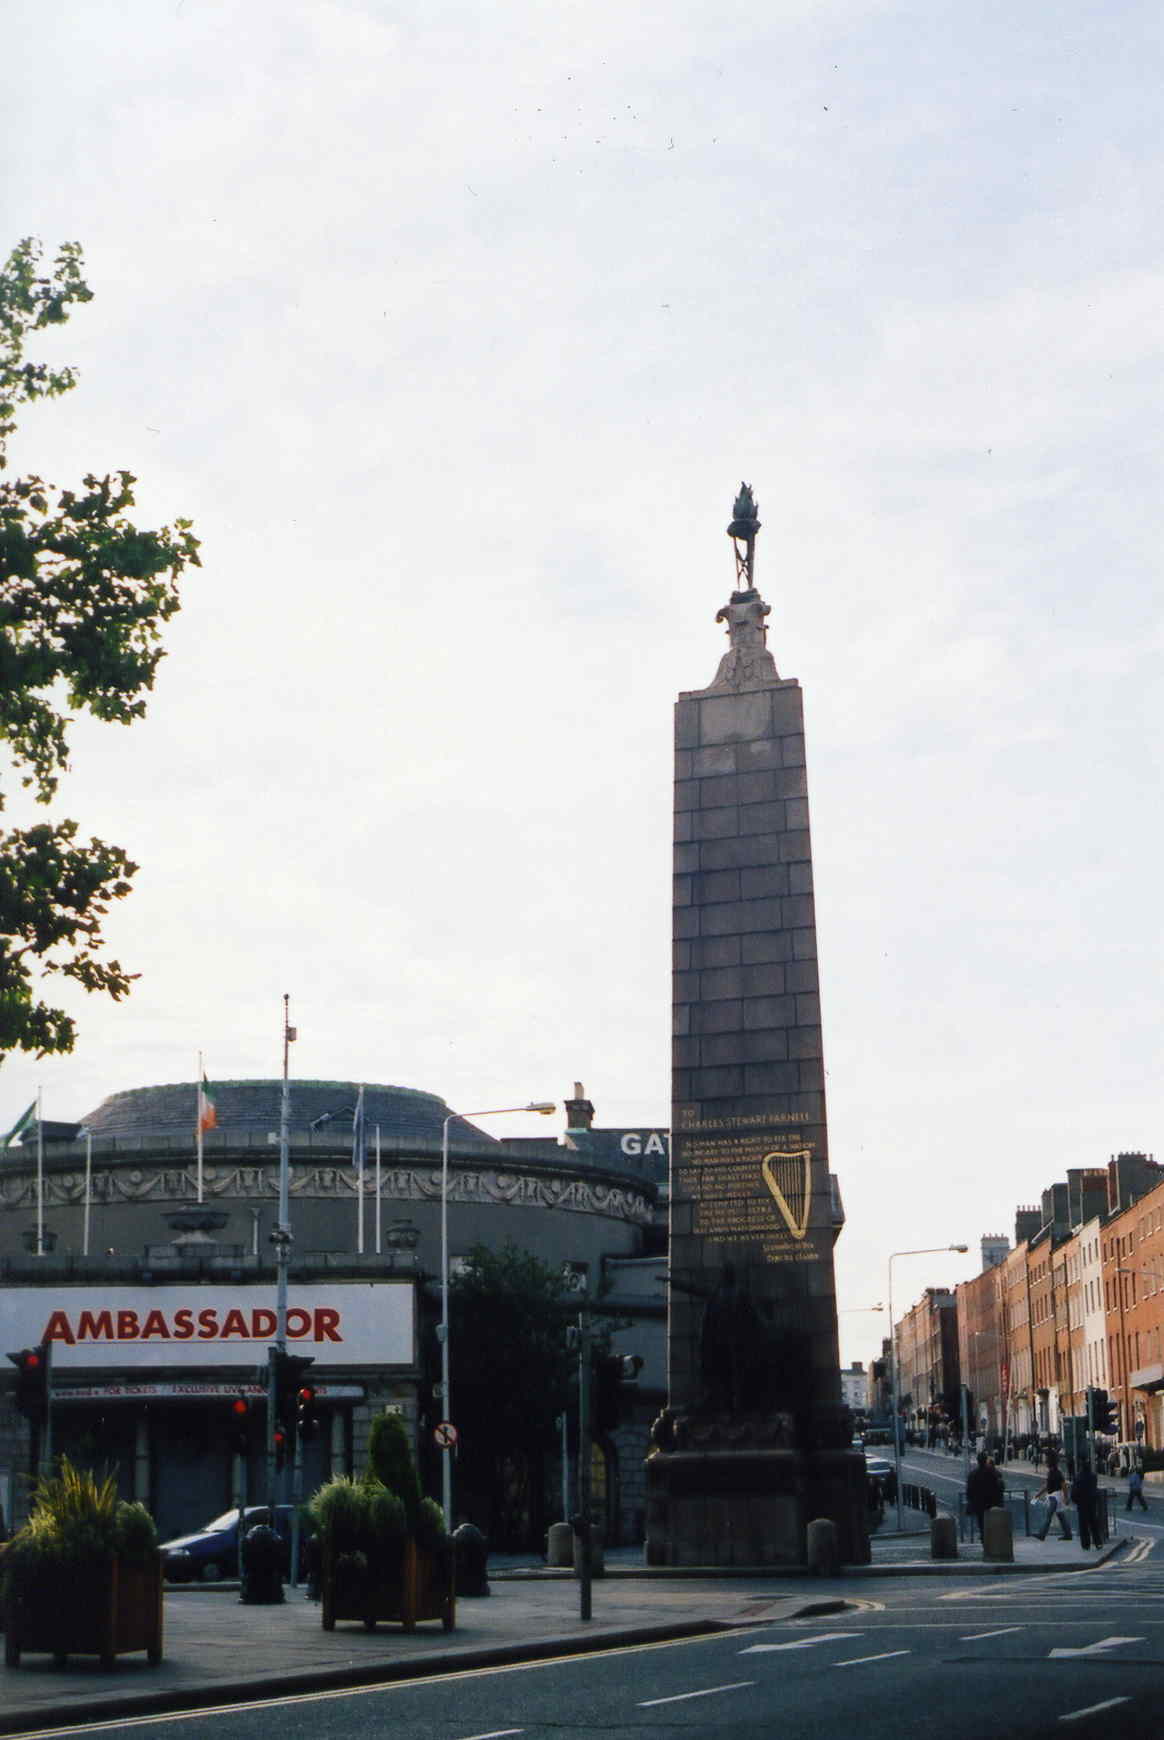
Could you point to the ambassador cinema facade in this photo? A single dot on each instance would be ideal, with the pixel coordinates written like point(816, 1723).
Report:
point(160, 1308)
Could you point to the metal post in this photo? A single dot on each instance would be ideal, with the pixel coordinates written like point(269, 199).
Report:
point(296, 1501)
point(281, 1238)
point(584, 1470)
point(896, 1393)
point(965, 1430)
point(443, 1331)
point(564, 1425)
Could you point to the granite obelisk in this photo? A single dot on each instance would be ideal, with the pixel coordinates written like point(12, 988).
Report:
point(754, 1443)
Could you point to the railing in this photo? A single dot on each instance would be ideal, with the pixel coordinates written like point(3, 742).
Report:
point(1018, 1501)
point(922, 1498)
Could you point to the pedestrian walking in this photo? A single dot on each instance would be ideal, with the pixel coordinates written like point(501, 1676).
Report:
point(1053, 1491)
point(984, 1489)
point(1086, 1499)
point(1136, 1487)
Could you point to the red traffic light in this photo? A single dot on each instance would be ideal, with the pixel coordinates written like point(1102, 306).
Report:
point(30, 1360)
point(240, 1407)
point(306, 1396)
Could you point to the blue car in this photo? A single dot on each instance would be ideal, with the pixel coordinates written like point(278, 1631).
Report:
point(211, 1553)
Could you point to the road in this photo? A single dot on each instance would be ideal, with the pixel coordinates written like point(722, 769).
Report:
point(1020, 1658)
point(946, 1477)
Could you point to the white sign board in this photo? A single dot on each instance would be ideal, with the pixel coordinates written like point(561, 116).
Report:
point(186, 1327)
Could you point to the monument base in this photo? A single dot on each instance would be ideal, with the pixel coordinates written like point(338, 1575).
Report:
point(753, 1507)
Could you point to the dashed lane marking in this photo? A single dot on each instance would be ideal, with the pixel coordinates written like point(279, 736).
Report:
point(1093, 1709)
point(977, 1636)
point(707, 1692)
point(859, 1660)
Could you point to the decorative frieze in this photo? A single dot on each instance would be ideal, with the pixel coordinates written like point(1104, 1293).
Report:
point(397, 1184)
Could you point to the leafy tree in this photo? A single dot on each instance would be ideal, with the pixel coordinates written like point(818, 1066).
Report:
point(512, 1376)
point(511, 1372)
point(83, 594)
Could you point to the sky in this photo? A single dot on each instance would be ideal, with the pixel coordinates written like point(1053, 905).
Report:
point(453, 329)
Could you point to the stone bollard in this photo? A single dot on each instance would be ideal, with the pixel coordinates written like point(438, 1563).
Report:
point(560, 1544)
point(998, 1536)
point(472, 1553)
point(821, 1552)
point(943, 1538)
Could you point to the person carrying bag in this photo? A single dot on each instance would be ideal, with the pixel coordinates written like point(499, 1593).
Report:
point(1053, 1491)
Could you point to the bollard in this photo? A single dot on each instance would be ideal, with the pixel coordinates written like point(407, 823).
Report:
point(588, 1535)
point(998, 1536)
point(821, 1553)
point(560, 1544)
point(943, 1538)
point(262, 1567)
point(472, 1552)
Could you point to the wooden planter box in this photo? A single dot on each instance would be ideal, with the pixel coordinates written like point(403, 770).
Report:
point(419, 1587)
point(105, 1611)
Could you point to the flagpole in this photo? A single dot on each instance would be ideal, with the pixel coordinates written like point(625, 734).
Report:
point(377, 1190)
point(358, 1145)
point(39, 1177)
point(198, 1122)
point(88, 1191)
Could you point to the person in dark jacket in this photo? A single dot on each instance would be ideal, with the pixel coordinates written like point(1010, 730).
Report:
point(1085, 1498)
point(983, 1489)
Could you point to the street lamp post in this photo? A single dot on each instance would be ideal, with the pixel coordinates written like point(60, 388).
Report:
point(546, 1108)
point(929, 1251)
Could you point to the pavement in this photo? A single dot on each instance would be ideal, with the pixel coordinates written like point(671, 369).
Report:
point(216, 1651)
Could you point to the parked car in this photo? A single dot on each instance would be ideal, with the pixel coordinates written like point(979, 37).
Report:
point(882, 1475)
point(211, 1553)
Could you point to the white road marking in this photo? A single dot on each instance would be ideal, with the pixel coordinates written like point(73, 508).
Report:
point(1097, 1648)
point(799, 1642)
point(494, 1734)
point(856, 1660)
point(1093, 1709)
point(707, 1692)
point(977, 1636)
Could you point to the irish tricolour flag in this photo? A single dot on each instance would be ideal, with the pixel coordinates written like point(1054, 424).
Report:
point(207, 1110)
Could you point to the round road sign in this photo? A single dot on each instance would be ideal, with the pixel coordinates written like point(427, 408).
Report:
point(445, 1435)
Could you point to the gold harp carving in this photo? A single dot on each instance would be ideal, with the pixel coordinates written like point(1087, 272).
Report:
point(789, 1178)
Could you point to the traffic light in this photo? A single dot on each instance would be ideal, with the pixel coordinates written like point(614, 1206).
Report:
point(611, 1374)
point(279, 1440)
point(288, 1373)
point(1105, 1414)
point(240, 1426)
point(306, 1418)
point(32, 1382)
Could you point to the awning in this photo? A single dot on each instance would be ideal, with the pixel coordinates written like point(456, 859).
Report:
point(1149, 1378)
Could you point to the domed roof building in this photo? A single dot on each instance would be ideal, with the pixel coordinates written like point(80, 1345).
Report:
point(150, 1268)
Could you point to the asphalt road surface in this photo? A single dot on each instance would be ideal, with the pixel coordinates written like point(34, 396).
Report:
point(1021, 1658)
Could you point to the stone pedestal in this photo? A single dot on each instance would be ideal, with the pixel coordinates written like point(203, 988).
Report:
point(755, 1442)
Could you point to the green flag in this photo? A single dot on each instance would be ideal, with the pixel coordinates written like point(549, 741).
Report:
point(21, 1123)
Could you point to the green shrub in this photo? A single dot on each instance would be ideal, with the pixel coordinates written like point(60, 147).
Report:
point(429, 1527)
point(387, 1518)
point(390, 1461)
point(77, 1521)
point(339, 1511)
point(135, 1533)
